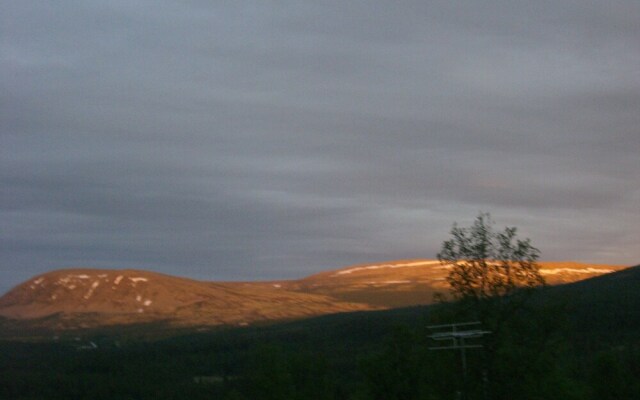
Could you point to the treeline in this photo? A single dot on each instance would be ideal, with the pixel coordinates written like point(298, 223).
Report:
point(383, 355)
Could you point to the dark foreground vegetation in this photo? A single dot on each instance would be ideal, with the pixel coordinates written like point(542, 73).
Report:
point(580, 341)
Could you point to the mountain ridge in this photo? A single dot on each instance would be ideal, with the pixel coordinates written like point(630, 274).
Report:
point(86, 297)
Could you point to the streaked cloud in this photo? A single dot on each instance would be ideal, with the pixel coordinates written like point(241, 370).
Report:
point(251, 140)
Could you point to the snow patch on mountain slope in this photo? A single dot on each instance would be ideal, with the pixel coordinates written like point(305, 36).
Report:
point(135, 280)
point(393, 282)
point(556, 271)
point(93, 287)
point(71, 281)
point(381, 266)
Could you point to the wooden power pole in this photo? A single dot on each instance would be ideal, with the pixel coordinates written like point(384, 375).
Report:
point(457, 337)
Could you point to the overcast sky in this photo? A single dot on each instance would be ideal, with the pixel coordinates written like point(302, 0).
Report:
point(267, 140)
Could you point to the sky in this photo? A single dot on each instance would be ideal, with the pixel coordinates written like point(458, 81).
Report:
point(247, 140)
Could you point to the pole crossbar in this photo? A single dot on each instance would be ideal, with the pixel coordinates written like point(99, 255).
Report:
point(456, 324)
point(459, 334)
point(457, 337)
point(468, 346)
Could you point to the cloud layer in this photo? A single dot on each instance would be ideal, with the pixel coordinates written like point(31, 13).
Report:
point(256, 140)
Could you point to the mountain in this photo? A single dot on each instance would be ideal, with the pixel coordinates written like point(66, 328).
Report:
point(331, 355)
point(414, 282)
point(88, 298)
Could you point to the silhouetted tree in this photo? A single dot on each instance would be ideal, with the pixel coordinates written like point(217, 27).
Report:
point(492, 271)
point(492, 277)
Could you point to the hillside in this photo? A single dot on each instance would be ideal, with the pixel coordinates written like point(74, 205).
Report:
point(332, 356)
point(414, 282)
point(88, 298)
point(607, 306)
point(82, 298)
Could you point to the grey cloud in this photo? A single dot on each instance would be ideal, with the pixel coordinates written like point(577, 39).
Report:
point(263, 140)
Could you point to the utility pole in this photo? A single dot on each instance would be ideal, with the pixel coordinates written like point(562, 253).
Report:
point(457, 339)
